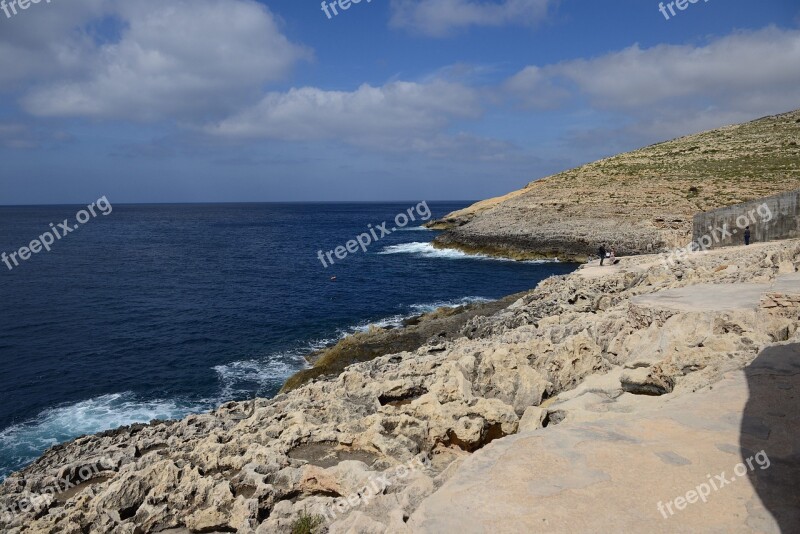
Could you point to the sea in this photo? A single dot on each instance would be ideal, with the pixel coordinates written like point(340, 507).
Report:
point(158, 311)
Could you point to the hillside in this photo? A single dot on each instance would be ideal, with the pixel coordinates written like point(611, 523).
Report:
point(641, 201)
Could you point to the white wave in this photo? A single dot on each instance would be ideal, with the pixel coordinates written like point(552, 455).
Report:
point(427, 308)
point(319, 344)
point(243, 377)
point(427, 250)
point(387, 322)
point(24, 442)
point(414, 229)
point(396, 321)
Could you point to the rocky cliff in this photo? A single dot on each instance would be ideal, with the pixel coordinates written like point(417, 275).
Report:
point(642, 201)
point(372, 449)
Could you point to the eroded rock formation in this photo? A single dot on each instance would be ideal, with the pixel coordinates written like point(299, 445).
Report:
point(334, 448)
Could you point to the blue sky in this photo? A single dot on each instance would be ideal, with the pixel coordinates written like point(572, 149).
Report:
point(237, 100)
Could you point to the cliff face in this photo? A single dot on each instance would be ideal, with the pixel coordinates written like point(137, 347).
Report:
point(361, 452)
point(639, 202)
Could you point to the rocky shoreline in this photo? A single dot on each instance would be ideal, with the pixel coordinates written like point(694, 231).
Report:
point(439, 326)
point(365, 450)
point(640, 202)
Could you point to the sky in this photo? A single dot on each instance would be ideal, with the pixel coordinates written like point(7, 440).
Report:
point(271, 101)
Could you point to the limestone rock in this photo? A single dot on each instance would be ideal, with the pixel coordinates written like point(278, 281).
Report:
point(570, 352)
point(532, 419)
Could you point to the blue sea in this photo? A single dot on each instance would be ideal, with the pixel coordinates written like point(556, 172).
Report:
point(158, 311)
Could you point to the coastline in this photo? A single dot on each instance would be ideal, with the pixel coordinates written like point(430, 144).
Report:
point(640, 202)
point(424, 267)
point(433, 328)
point(241, 373)
point(258, 467)
point(517, 251)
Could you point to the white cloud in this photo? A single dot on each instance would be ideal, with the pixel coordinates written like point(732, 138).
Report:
point(747, 69)
point(671, 90)
point(192, 60)
point(398, 115)
point(47, 41)
point(536, 88)
point(438, 18)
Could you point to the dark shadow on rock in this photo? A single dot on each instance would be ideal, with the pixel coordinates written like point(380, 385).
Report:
point(770, 435)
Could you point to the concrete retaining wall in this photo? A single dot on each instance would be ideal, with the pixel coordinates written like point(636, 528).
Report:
point(770, 219)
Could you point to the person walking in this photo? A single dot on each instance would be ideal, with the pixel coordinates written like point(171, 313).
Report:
point(602, 252)
point(747, 236)
point(612, 259)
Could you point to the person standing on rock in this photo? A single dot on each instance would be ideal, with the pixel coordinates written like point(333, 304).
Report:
point(602, 252)
point(747, 236)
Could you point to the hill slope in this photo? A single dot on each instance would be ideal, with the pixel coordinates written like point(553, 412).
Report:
point(641, 201)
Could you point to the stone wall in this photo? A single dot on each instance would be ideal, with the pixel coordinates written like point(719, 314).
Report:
point(770, 219)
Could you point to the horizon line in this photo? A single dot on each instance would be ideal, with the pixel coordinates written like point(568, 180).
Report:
point(212, 203)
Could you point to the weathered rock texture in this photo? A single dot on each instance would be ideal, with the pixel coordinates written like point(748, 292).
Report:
point(344, 448)
point(647, 471)
point(435, 327)
point(638, 202)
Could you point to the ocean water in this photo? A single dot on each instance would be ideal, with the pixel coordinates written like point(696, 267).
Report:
point(157, 311)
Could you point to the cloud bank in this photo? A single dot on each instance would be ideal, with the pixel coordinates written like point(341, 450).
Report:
point(439, 18)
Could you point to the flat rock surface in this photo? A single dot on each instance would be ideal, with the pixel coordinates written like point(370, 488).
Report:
point(718, 297)
point(611, 475)
point(787, 283)
point(706, 297)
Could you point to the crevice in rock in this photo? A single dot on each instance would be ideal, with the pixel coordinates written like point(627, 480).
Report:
point(489, 434)
point(402, 399)
point(214, 529)
point(263, 513)
point(647, 388)
point(128, 513)
point(147, 450)
point(453, 439)
point(389, 426)
point(493, 432)
point(553, 418)
point(225, 470)
point(328, 454)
